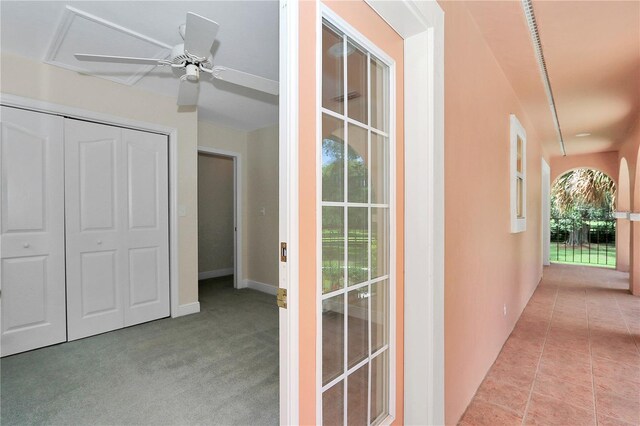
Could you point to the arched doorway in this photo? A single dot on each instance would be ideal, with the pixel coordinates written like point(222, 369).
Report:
point(634, 277)
point(582, 226)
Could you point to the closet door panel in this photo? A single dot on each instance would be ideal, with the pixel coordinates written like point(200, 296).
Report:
point(32, 231)
point(147, 297)
point(95, 222)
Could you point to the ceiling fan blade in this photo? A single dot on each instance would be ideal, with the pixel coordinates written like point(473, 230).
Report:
point(119, 59)
point(188, 92)
point(199, 35)
point(245, 79)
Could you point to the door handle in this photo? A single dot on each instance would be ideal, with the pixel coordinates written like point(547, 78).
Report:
point(26, 245)
point(99, 242)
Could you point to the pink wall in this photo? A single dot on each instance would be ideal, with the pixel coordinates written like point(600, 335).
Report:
point(485, 265)
point(630, 232)
point(606, 162)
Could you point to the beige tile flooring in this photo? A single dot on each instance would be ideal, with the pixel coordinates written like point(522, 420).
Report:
point(573, 358)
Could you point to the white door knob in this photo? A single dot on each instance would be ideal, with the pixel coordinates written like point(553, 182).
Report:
point(99, 242)
point(26, 245)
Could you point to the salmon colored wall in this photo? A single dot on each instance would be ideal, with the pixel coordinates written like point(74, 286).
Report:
point(367, 22)
point(634, 269)
point(606, 162)
point(485, 265)
point(307, 212)
point(630, 152)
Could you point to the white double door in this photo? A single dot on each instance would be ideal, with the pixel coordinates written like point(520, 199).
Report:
point(94, 199)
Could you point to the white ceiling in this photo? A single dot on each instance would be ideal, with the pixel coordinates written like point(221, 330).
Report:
point(247, 41)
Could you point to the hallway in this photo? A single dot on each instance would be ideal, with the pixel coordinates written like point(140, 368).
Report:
point(573, 358)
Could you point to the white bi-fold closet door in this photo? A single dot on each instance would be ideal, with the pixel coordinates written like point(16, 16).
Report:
point(32, 240)
point(117, 227)
point(90, 198)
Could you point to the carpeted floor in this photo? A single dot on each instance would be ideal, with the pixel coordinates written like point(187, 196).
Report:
point(219, 366)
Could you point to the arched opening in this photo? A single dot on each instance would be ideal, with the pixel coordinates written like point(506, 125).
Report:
point(623, 235)
point(634, 267)
point(582, 226)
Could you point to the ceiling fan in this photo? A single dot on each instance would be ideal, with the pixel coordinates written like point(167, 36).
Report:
point(192, 57)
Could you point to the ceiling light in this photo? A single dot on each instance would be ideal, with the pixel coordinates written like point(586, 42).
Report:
point(582, 135)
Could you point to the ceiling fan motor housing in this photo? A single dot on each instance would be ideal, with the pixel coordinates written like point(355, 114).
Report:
point(178, 56)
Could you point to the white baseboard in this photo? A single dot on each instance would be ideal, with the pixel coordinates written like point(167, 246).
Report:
point(215, 274)
point(187, 309)
point(256, 285)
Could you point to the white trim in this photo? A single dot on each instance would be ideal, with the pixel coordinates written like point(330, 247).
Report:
point(262, 287)
point(318, 137)
point(622, 215)
point(325, 13)
point(171, 132)
point(187, 309)
point(288, 211)
point(215, 273)
point(516, 131)
point(634, 217)
point(421, 24)
point(238, 197)
point(546, 213)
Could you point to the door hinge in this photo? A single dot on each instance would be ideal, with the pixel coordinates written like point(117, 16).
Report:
point(283, 252)
point(282, 298)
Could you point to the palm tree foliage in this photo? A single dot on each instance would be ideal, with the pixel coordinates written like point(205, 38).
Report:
point(582, 190)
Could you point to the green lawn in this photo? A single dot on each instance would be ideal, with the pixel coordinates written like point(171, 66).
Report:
point(599, 255)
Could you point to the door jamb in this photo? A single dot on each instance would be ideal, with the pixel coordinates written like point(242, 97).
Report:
point(238, 279)
point(288, 212)
point(172, 134)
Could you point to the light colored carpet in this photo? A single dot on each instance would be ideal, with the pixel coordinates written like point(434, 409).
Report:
point(219, 366)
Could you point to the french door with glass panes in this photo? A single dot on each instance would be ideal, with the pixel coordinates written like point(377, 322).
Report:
point(356, 153)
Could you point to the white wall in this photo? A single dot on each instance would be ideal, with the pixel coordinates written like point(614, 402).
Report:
point(262, 253)
point(215, 214)
point(37, 80)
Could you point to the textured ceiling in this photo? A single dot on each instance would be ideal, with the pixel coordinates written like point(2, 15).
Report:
point(247, 40)
point(592, 50)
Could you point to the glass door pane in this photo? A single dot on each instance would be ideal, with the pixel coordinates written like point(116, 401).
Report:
point(355, 232)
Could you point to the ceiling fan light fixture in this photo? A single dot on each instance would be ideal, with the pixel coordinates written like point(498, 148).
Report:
point(192, 72)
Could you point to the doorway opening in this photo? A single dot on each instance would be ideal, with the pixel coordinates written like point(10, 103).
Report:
point(218, 247)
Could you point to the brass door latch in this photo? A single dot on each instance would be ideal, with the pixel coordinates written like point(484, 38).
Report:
point(282, 298)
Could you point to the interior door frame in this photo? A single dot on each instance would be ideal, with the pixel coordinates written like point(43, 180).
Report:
point(172, 134)
point(238, 279)
point(421, 25)
point(288, 212)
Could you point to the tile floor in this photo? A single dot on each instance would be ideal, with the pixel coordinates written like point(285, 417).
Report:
point(573, 358)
